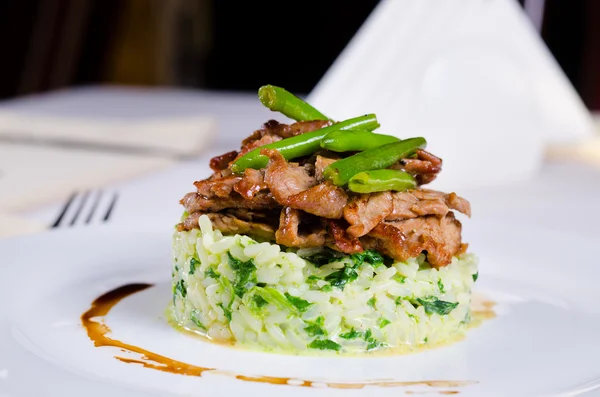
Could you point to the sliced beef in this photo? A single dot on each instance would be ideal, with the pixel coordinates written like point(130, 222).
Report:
point(270, 217)
point(439, 238)
point(285, 179)
point(292, 204)
point(342, 241)
point(217, 186)
point(424, 167)
point(289, 233)
point(300, 127)
point(265, 140)
point(321, 163)
point(189, 223)
point(293, 186)
point(247, 185)
point(459, 204)
point(252, 182)
point(221, 162)
point(229, 224)
point(325, 200)
point(417, 202)
point(365, 211)
point(194, 202)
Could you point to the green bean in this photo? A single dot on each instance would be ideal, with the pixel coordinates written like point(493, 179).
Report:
point(355, 140)
point(381, 157)
point(381, 181)
point(301, 145)
point(279, 100)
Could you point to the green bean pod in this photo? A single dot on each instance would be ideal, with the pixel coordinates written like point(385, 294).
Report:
point(301, 145)
point(381, 181)
point(381, 157)
point(279, 100)
point(355, 140)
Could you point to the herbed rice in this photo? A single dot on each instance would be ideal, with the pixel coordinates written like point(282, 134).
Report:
point(263, 296)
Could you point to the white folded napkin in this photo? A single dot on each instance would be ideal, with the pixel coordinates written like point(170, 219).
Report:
point(471, 76)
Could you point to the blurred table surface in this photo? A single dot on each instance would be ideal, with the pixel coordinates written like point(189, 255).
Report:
point(563, 198)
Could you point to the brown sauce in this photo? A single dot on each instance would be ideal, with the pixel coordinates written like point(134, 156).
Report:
point(93, 322)
point(97, 330)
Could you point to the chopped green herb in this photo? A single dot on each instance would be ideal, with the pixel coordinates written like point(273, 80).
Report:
point(425, 340)
point(245, 273)
point(475, 276)
point(315, 328)
point(226, 311)
point(410, 315)
point(275, 297)
point(340, 278)
point(369, 256)
point(431, 304)
point(383, 322)
point(300, 303)
point(399, 278)
point(357, 259)
point(180, 287)
point(193, 263)
point(400, 299)
point(254, 302)
point(324, 344)
point(352, 334)
point(373, 257)
point(211, 273)
point(227, 287)
point(324, 257)
point(312, 279)
point(440, 285)
point(196, 320)
point(371, 302)
point(372, 343)
point(259, 301)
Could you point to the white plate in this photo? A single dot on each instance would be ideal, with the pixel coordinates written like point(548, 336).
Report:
point(542, 342)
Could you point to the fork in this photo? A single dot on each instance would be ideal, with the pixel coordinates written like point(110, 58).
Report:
point(76, 209)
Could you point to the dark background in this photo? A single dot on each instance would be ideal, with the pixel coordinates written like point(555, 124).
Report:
point(224, 44)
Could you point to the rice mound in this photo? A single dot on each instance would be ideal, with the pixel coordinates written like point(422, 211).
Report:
point(257, 294)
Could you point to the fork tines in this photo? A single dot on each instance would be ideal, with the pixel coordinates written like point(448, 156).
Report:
point(85, 207)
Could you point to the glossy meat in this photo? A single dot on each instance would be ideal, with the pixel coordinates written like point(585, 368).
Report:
point(290, 202)
point(365, 211)
point(439, 237)
point(289, 234)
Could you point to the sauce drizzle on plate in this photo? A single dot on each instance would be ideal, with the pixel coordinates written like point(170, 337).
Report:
point(97, 331)
point(93, 322)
